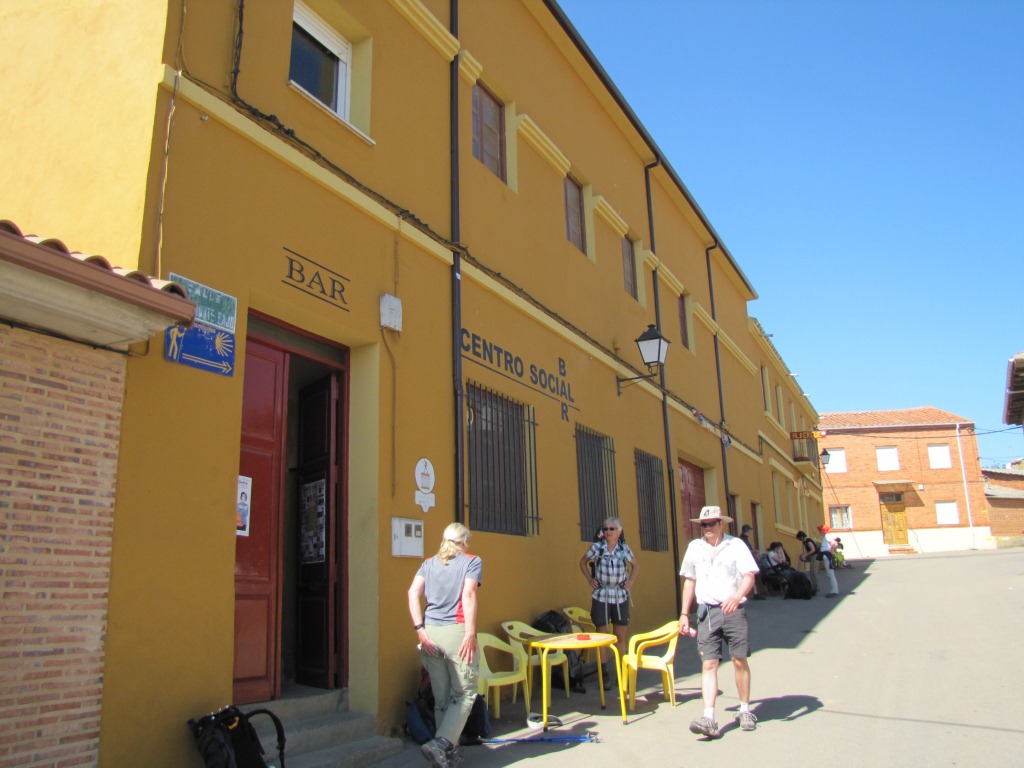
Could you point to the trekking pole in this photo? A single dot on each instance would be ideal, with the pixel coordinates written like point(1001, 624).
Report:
point(586, 738)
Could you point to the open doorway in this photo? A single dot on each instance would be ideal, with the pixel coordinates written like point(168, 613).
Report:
point(290, 575)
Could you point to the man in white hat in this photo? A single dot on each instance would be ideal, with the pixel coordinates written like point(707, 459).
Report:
point(719, 570)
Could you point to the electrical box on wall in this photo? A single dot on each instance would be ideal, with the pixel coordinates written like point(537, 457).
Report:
point(390, 312)
point(406, 537)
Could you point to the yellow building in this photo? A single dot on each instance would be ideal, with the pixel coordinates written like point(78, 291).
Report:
point(421, 248)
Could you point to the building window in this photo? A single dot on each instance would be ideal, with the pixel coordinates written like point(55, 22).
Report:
point(650, 497)
point(574, 216)
point(938, 457)
point(489, 130)
point(684, 322)
point(891, 497)
point(629, 267)
point(781, 412)
point(320, 61)
point(595, 468)
point(840, 517)
point(888, 458)
point(836, 460)
point(765, 389)
point(502, 462)
point(782, 495)
point(946, 513)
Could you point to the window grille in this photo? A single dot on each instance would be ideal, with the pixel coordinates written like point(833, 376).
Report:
point(595, 465)
point(650, 493)
point(502, 463)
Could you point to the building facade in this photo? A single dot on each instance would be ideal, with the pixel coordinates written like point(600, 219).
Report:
point(420, 260)
point(904, 481)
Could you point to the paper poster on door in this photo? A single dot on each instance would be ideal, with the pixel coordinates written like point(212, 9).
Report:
point(313, 522)
point(243, 504)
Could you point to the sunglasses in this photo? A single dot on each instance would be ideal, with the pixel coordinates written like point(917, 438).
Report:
point(610, 529)
point(711, 524)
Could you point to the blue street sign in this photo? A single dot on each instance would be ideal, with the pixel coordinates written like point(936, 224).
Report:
point(201, 346)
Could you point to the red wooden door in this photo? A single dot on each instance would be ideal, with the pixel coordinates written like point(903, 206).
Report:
point(316, 651)
point(257, 674)
point(691, 497)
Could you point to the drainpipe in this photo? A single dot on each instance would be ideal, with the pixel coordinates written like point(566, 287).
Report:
point(670, 462)
point(718, 368)
point(456, 234)
point(967, 494)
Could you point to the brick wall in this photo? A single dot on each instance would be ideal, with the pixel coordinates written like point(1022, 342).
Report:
point(60, 420)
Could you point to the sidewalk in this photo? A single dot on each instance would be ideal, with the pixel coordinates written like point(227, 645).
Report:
point(888, 674)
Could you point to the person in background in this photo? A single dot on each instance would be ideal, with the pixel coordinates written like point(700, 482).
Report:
point(615, 572)
point(809, 557)
point(840, 556)
point(447, 634)
point(745, 538)
point(719, 571)
point(827, 558)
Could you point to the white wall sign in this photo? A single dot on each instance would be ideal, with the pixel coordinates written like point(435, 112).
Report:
point(425, 484)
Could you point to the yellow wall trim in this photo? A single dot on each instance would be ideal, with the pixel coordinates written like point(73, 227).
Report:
point(702, 314)
point(469, 68)
point(781, 469)
point(604, 209)
point(432, 30)
point(530, 131)
point(666, 275)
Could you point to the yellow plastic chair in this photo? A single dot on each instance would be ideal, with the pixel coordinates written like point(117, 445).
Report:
point(580, 617)
point(490, 679)
point(519, 633)
point(637, 658)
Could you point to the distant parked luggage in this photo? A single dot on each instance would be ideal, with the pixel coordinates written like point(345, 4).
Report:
point(799, 586)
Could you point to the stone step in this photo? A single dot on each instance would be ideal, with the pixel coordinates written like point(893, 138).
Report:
point(320, 732)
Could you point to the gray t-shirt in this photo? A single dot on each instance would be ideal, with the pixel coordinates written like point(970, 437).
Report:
point(443, 588)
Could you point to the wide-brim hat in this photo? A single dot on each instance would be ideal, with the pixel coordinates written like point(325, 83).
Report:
point(711, 513)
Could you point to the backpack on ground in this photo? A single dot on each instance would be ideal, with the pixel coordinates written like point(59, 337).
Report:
point(420, 723)
point(799, 586)
point(555, 623)
point(227, 739)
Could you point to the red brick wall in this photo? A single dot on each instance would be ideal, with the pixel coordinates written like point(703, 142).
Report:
point(855, 486)
point(60, 420)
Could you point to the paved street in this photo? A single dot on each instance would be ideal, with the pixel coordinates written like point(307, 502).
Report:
point(919, 662)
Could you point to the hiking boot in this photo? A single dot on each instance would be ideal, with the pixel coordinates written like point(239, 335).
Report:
point(438, 753)
point(456, 758)
point(747, 721)
point(705, 727)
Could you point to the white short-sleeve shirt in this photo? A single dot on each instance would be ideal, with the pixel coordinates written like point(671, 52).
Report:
point(719, 570)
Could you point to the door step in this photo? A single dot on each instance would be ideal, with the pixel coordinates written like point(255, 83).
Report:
point(902, 550)
point(320, 732)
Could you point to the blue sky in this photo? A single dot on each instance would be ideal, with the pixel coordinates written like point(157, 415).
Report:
point(863, 161)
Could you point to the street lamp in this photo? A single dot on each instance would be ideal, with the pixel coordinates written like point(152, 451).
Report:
point(824, 457)
point(653, 348)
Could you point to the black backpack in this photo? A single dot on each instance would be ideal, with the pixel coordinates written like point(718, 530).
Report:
point(226, 739)
point(420, 725)
point(555, 623)
point(799, 586)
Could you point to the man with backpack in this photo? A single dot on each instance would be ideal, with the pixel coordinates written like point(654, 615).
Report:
point(719, 571)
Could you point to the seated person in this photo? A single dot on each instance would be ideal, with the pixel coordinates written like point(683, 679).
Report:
point(773, 564)
point(837, 554)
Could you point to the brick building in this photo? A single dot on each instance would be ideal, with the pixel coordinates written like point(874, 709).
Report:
point(1004, 492)
point(65, 324)
point(902, 481)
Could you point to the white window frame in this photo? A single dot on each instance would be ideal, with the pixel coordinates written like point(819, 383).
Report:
point(841, 510)
point(947, 513)
point(888, 458)
point(836, 461)
point(939, 457)
point(337, 45)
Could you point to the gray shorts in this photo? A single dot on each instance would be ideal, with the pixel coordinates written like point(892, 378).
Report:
point(603, 614)
point(713, 627)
